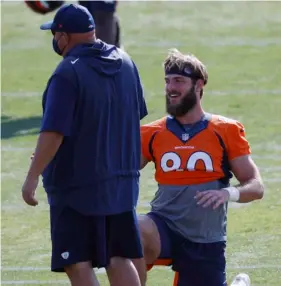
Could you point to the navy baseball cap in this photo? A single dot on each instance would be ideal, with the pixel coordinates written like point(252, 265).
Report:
point(71, 18)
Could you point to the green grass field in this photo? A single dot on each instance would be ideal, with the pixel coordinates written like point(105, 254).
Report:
point(240, 44)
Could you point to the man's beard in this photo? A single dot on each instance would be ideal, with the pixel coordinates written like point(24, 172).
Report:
point(186, 104)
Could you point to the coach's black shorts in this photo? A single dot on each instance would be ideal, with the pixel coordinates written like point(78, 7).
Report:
point(78, 238)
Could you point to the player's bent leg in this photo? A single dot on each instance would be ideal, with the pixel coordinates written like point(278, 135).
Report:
point(201, 264)
point(150, 238)
point(81, 274)
point(156, 240)
point(197, 277)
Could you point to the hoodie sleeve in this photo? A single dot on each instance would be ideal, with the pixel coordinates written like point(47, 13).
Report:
point(59, 106)
point(142, 104)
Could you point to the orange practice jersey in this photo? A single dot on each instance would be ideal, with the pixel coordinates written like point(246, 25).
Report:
point(200, 155)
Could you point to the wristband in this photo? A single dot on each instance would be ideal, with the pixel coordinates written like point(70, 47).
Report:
point(234, 194)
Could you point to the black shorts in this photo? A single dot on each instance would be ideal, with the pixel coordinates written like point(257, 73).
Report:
point(78, 238)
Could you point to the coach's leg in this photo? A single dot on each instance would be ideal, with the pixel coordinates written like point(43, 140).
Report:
point(81, 274)
point(124, 245)
point(72, 246)
point(122, 272)
point(140, 266)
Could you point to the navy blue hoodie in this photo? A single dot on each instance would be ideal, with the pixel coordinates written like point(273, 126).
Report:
point(95, 99)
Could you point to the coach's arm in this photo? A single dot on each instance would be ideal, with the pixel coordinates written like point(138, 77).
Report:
point(59, 107)
point(246, 172)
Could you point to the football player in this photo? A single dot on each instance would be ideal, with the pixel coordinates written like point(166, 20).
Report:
point(195, 154)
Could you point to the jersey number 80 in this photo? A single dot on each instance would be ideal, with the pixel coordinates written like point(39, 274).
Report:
point(172, 162)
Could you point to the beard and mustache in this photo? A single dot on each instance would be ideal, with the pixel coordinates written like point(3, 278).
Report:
point(187, 103)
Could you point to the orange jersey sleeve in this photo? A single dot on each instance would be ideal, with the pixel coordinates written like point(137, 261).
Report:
point(237, 144)
point(147, 132)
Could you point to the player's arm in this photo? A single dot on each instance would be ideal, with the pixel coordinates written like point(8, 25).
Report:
point(56, 124)
point(144, 162)
point(246, 172)
point(244, 169)
point(146, 137)
point(242, 166)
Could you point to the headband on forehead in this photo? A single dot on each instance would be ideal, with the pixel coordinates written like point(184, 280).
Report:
point(183, 72)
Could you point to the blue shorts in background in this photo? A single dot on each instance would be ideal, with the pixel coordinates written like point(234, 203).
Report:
point(198, 264)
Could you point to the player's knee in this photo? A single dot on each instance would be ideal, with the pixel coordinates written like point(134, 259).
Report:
point(145, 230)
point(150, 238)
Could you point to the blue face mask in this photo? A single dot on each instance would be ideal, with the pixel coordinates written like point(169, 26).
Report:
point(56, 47)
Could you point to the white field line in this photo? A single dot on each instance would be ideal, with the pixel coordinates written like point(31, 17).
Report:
point(34, 282)
point(16, 149)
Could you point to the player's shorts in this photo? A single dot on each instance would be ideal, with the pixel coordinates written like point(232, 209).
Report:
point(196, 264)
point(79, 238)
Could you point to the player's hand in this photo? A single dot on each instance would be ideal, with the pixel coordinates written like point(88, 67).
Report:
point(28, 191)
point(32, 156)
point(212, 197)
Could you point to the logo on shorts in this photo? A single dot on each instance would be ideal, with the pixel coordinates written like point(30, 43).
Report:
point(65, 255)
